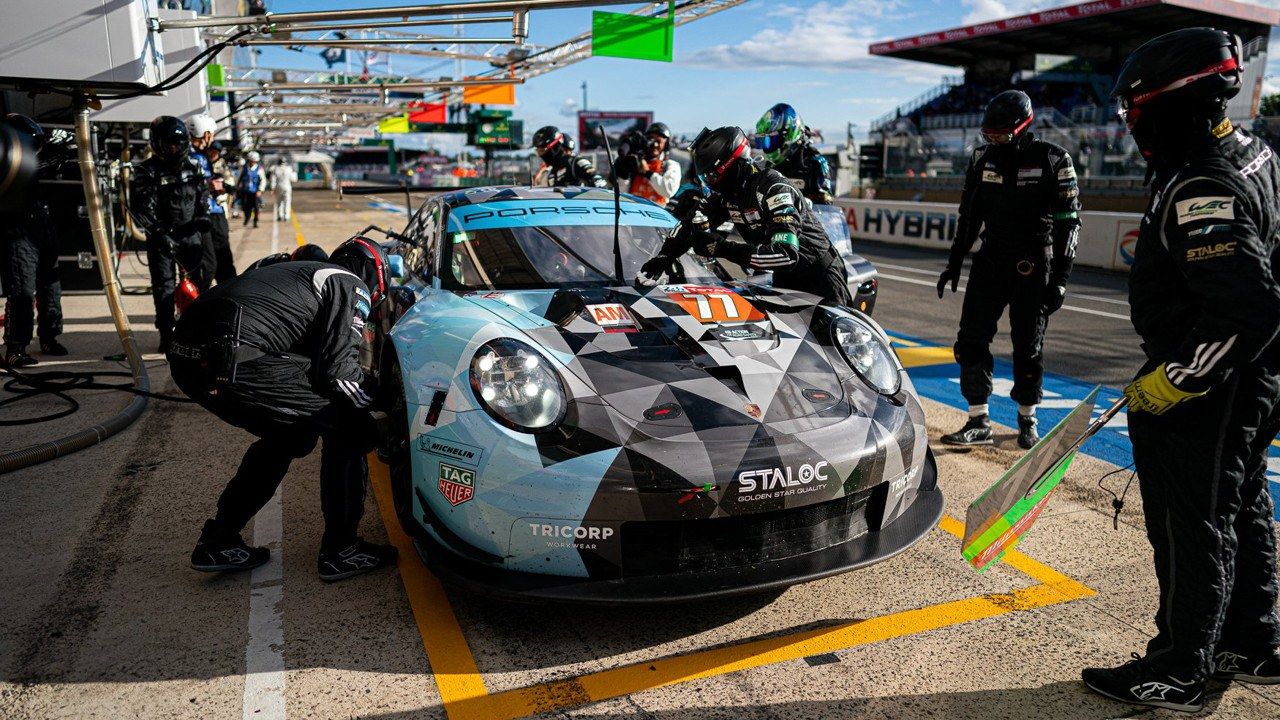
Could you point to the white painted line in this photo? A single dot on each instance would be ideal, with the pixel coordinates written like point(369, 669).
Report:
point(275, 235)
point(961, 288)
point(965, 278)
point(264, 674)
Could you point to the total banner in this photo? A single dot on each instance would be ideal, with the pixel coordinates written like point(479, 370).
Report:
point(1107, 239)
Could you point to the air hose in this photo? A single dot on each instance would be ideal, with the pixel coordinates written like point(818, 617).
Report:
point(48, 450)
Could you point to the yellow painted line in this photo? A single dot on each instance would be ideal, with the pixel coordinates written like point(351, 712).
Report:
point(904, 342)
point(1052, 588)
point(456, 674)
point(917, 356)
point(297, 229)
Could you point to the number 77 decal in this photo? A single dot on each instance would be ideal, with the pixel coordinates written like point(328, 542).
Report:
point(712, 305)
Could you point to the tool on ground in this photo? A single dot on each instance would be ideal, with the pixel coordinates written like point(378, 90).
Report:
point(998, 519)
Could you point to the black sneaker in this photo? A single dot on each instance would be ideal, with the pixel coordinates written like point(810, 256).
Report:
point(358, 558)
point(19, 359)
point(975, 432)
point(1138, 683)
point(53, 347)
point(221, 551)
point(1027, 435)
point(1256, 669)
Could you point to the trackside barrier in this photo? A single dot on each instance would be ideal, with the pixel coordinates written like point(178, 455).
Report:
point(1107, 239)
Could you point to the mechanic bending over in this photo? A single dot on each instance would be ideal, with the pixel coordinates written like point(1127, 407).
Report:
point(276, 351)
point(170, 203)
point(783, 139)
point(778, 227)
point(562, 168)
point(645, 161)
point(1206, 406)
point(1022, 192)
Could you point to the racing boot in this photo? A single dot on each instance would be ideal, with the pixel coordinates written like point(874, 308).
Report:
point(53, 347)
point(1027, 435)
point(18, 358)
point(1255, 669)
point(221, 550)
point(357, 558)
point(975, 432)
point(1138, 682)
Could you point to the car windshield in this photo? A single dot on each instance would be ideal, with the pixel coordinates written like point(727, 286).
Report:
point(505, 252)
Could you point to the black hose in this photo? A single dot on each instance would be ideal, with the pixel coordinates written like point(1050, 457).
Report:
point(57, 383)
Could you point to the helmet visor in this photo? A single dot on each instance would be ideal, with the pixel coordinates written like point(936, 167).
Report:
point(767, 142)
point(1004, 136)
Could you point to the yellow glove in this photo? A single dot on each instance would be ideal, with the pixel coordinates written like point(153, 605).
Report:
point(1154, 393)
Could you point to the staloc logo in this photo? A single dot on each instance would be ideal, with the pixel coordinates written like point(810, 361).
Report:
point(779, 478)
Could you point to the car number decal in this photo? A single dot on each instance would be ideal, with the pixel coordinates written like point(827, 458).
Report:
point(713, 304)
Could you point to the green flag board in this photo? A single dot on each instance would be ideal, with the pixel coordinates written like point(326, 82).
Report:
point(628, 36)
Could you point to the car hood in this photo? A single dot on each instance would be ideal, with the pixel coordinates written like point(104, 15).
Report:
point(710, 354)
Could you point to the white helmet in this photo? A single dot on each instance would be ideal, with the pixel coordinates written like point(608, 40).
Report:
point(201, 124)
point(254, 156)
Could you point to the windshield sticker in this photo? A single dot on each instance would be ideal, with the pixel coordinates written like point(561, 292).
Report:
point(491, 215)
point(708, 304)
point(612, 317)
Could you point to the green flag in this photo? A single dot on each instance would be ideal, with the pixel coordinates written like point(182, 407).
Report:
point(629, 36)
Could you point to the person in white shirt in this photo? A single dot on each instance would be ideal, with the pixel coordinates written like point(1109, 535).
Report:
point(282, 177)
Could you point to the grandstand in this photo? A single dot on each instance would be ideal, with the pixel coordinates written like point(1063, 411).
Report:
point(1065, 59)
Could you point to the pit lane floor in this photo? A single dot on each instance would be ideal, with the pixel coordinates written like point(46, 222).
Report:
point(101, 617)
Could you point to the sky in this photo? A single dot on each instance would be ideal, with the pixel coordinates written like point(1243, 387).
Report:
point(731, 67)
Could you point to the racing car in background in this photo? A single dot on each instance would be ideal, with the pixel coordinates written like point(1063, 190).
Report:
point(560, 433)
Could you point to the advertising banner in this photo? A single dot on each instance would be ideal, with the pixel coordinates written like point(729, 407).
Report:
point(1107, 239)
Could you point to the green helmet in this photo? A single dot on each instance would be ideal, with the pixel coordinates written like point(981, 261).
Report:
point(778, 130)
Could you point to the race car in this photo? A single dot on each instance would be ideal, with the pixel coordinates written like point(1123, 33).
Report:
point(558, 432)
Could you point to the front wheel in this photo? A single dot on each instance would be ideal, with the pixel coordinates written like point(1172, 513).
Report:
point(399, 453)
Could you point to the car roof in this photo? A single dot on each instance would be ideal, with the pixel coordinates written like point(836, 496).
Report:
point(508, 193)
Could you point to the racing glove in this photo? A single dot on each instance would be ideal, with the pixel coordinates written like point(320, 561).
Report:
point(1155, 393)
point(654, 271)
point(950, 275)
point(1053, 297)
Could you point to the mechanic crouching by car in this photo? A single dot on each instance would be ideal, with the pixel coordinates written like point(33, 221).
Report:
point(276, 351)
point(1205, 408)
point(645, 162)
point(563, 167)
point(171, 205)
point(779, 230)
point(1022, 192)
point(783, 140)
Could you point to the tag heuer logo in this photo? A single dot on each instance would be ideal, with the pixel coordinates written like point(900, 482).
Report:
point(457, 485)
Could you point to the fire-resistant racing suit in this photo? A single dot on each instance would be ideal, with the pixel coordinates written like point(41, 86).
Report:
point(1022, 200)
point(276, 351)
point(808, 170)
point(29, 273)
point(171, 204)
point(779, 233)
point(1205, 300)
point(573, 170)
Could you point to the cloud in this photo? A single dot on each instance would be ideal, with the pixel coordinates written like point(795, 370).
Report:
point(569, 108)
point(831, 36)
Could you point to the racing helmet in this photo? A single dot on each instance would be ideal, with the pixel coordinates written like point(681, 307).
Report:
point(717, 154)
point(27, 127)
point(1176, 81)
point(169, 138)
point(310, 252)
point(201, 124)
point(272, 259)
point(367, 261)
point(778, 131)
point(549, 143)
point(1008, 115)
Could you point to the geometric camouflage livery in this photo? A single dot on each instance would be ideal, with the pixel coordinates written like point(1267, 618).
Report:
point(719, 438)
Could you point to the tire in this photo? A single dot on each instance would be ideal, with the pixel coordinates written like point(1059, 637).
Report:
point(399, 457)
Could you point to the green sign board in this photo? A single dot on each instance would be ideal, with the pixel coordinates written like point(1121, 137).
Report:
point(622, 35)
point(496, 132)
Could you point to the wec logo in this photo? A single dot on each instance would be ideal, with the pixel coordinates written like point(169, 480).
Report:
point(780, 478)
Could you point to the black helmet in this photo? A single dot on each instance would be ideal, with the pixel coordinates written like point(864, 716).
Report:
point(716, 154)
point(367, 261)
point(659, 129)
point(27, 127)
point(272, 259)
point(169, 138)
point(1007, 117)
point(1200, 65)
point(548, 142)
point(310, 252)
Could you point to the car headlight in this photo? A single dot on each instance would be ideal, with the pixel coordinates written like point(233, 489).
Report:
point(868, 354)
point(517, 386)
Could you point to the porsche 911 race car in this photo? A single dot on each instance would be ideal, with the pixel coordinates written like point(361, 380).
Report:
point(559, 432)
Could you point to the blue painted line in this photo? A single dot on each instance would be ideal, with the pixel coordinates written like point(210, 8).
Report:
point(941, 383)
point(389, 207)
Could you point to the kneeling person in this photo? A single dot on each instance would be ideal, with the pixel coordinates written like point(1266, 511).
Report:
point(276, 351)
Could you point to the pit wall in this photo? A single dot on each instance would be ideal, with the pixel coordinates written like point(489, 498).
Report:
point(1107, 239)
